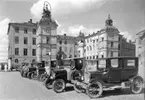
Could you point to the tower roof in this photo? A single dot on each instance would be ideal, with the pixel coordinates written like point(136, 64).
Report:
point(109, 21)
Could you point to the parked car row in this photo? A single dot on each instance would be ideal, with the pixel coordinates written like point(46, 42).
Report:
point(89, 76)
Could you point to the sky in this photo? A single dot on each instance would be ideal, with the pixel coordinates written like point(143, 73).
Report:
point(74, 16)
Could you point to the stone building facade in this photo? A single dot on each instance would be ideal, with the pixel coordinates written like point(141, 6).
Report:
point(108, 42)
point(140, 48)
point(104, 43)
point(22, 43)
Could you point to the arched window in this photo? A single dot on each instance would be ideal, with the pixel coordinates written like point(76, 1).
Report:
point(16, 61)
point(33, 61)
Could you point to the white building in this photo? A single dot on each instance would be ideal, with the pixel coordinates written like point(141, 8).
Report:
point(104, 43)
point(22, 43)
point(140, 51)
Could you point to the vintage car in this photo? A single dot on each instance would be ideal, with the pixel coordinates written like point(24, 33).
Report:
point(47, 70)
point(38, 72)
point(108, 74)
point(61, 75)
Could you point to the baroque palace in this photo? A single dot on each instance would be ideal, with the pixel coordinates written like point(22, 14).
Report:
point(35, 42)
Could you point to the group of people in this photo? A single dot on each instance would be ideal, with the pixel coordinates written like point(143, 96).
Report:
point(4, 67)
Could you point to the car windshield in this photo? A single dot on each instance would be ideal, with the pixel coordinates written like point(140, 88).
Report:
point(102, 64)
point(91, 65)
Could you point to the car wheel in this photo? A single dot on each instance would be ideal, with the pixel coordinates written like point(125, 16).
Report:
point(78, 88)
point(34, 76)
point(94, 90)
point(48, 83)
point(137, 85)
point(42, 78)
point(29, 75)
point(59, 85)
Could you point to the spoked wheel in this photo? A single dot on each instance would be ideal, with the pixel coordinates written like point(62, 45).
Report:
point(78, 88)
point(94, 90)
point(42, 77)
point(59, 85)
point(34, 76)
point(48, 83)
point(137, 85)
point(29, 75)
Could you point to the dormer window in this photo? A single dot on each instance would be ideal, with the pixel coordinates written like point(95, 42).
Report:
point(25, 30)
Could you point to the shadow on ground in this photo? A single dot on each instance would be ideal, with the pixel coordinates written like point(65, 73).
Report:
point(119, 92)
point(69, 88)
point(109, 93)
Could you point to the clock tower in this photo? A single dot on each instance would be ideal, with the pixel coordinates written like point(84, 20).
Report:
point(46, 36)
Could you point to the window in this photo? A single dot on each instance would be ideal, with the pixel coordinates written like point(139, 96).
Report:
point(102, 56)
point(33, 61)
point(102, 63)
point(111, 54)
point(114, 63)
point(16, 51)
point(65, 42)
point(65, 49)
point(97, 40)
point(34, 41)
point(118, 46)
point(34, 31)
point(33, 52)
point(25, 52)
point(17, 29)
point(60, 42)
point(16, 40)
point(97, 56)
point(25, 40)
point(130, 63)
point(102, 38)
point(111, 44)
point(16, 61)
point(47, 40)
point(25, 30)
point(119, 38)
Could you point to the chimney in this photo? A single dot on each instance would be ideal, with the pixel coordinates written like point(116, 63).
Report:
point(30, 21)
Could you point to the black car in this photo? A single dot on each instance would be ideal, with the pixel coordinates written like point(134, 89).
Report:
point(64, 74)
point(109, 74)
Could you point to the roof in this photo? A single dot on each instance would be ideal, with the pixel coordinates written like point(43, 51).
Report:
point(23, 24)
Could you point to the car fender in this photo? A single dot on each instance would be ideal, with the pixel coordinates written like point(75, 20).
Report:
point(96, 80)
point(131, 79)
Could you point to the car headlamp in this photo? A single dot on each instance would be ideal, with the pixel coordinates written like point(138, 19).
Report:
point(52, 76)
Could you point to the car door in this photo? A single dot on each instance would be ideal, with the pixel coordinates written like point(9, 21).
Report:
point(115, 71)
point(130, 68)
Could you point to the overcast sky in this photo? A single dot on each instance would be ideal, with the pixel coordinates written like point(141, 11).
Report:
point(74, 15)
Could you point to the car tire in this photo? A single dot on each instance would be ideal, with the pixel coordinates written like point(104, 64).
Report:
point(59, 85)
point(29, 75)
point(136, 85)
point(78, 88)
point(43, 77)
point(94, 90)
point(33, 76)
point(48, 83)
